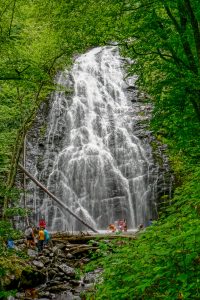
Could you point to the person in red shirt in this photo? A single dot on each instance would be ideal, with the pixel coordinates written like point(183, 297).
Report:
point(42, 223)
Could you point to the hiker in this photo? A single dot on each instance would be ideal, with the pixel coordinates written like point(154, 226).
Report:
point(141, 226)
point(41, 238)
point(46, 237)
point(121, 225)
point(36, 232)
point(112, 227)
point(10, 244)
point(29, 237)
point(116, 225)
point(125, 226)
point(150, 222)
point(42, 222)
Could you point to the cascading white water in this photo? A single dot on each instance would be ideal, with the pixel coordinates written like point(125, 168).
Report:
point(93, 162)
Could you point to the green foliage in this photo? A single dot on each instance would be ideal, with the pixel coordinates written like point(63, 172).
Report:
point(6, 294)
point(38, 39)
point(12, 261)
point(162, 39)
point(164, 261)
point(6, 232)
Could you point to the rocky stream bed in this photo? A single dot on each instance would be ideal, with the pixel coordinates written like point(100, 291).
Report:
point(55, 273)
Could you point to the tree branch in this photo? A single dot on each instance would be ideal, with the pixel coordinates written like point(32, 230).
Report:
point(3, 11)
point(139, 7)
point(181, 29)
point(162, 55)
point(10, 78)
point(195, 27)
point(54, 60)
point(185, 43)
point(20, 72)
point(164, 36)
point(168, 11)
point(12, 17)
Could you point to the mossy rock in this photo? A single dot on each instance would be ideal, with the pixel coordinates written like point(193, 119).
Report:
point(31, 278)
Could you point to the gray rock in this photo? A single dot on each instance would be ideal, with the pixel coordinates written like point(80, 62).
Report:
point(20, 295)
point(38, 264)
point(45, 260)
point(46, 251)
point(69, 255)
point(61, 255)
point(58, 278)
point(67, 296)
point(32, 253)
point(58, 288)
point(75, 282)
point(58, 246)
point(52, 273)
point(89, 278)
point(67, 270)
point(53, 282)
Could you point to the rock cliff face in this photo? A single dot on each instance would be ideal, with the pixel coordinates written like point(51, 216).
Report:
point(141, 128)
point(94, 150)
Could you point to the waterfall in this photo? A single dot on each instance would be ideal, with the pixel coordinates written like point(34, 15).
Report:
point(93, 161)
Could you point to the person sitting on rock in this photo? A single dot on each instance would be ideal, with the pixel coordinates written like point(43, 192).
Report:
point(121, 225)
point(112, 227)
point(125, 225)
point(141, 226)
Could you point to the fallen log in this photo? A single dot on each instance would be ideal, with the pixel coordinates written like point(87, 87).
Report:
point(78, 246)
point(85, 239)
point(83, 249)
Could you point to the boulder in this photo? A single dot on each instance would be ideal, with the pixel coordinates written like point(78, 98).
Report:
point(67, 270)
point(32, 253)
point(38, 264)
point(31, 278)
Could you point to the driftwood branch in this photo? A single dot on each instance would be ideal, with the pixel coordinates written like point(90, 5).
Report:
point(55, 198)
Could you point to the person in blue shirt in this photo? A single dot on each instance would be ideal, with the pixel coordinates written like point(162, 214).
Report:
point(10, 244)
point(150, 222)
point(46, 237)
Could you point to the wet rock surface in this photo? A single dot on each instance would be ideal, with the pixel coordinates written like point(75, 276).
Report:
point(52, 132)
point(162, 177)
point(53, 272)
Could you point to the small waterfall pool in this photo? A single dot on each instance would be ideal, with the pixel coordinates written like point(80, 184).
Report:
point(93, 161)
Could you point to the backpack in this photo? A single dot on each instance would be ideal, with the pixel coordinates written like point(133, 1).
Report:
point(10, 244)
point(29, 233)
